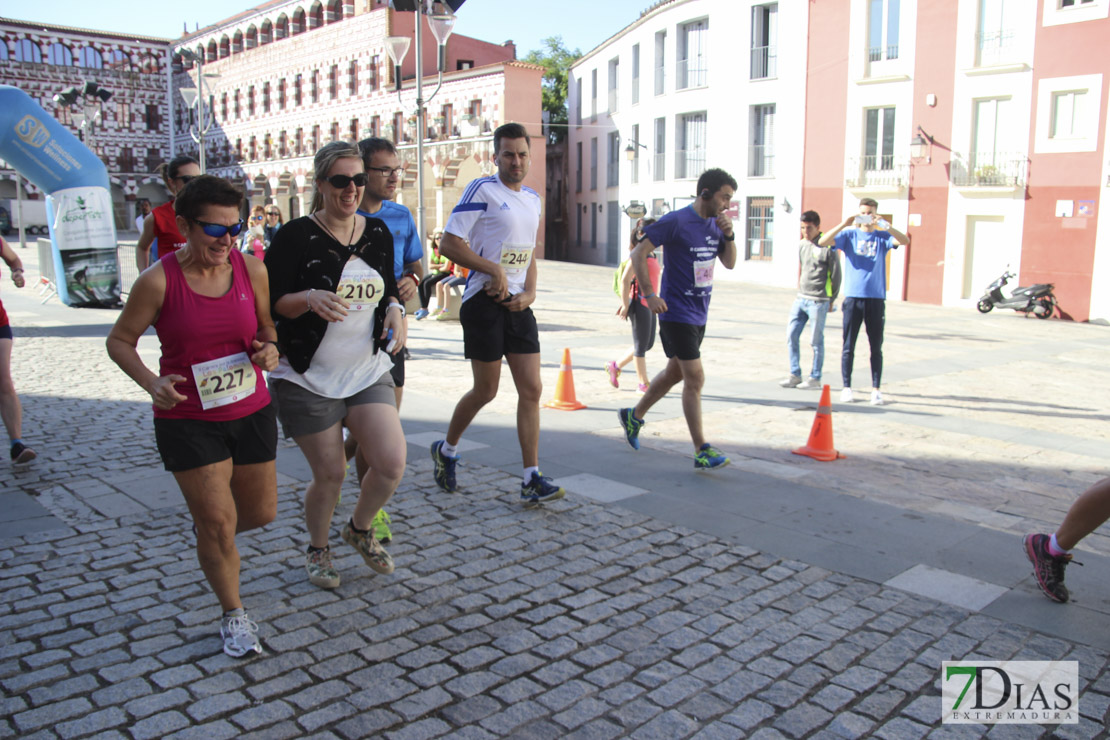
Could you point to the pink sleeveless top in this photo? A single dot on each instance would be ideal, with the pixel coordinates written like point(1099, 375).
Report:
point(208, 341)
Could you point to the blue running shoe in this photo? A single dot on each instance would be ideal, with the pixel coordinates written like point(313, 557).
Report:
point(709, 457)
point(631, 426)
point(444, 471)
point(540, 489)
point(421, 314)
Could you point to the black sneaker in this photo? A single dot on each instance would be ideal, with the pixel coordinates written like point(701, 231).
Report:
point(1048, 568)
point(22, 454)
point(444, 470)
point(540, 489)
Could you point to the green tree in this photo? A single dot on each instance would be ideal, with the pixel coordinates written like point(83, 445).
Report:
point(556, 59)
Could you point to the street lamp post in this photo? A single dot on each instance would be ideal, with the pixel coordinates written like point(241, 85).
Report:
point(194, 97)
point(441, 20)
point(91, 98)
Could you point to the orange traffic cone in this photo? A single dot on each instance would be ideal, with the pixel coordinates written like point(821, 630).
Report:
point(564, 388)
point(820, 444)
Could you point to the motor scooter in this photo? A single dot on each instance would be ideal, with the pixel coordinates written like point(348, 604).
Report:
point(1034, 299)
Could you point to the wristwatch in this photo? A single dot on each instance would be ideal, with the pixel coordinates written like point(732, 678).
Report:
point(397, 305)
point(729, 237)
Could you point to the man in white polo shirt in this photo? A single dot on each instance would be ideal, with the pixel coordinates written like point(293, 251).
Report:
point(499, 216)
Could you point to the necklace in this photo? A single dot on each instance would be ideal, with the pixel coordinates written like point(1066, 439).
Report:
point(324, 226)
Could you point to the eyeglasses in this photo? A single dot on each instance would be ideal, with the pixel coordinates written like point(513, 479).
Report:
point(387, 171)
point(217, 231)
point(342, 181)
point(256, 218)
point(272, 213)
point(185, 179)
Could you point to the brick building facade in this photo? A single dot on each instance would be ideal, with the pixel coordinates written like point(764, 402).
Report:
point(132, 135)
point(286, 77)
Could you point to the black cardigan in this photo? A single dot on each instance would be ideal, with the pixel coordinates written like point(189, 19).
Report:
point(303, 255)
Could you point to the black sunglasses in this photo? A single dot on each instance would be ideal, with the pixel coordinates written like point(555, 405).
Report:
point(216, 231)
point(185, 179)
point(342, 181)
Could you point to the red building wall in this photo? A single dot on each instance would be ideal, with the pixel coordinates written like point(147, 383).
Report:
point(1062, 250)
point(934, 73)
point(826, 112)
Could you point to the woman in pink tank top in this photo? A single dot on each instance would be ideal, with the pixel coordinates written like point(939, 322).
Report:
point(213, 421)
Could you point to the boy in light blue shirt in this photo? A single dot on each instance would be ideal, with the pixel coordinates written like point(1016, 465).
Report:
point(864, 238)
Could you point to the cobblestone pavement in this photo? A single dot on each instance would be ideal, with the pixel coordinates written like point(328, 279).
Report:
point(578, 619)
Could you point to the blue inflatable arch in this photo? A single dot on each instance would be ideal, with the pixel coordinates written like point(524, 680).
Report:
point(78, 202)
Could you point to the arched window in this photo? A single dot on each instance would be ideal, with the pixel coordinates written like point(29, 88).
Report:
point(27, 50)
point(3, 51)
point(59, 54)
point(213, 51)
point(252, 36)
point(121, 60)
point(298, 21)
point(334, 12)
point(90, 58)
point(315, 15)
point(281, 30)
point(237, 42)
point(225, 47)
point(266, 33)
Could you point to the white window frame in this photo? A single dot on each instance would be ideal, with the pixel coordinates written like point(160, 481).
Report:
point(1055, 15)
point(1086, 127)
point(884, 39)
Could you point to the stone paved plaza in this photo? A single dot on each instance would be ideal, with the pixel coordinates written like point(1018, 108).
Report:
point(778, 597)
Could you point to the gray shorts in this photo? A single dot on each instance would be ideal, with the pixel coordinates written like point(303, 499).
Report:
point(303, 412)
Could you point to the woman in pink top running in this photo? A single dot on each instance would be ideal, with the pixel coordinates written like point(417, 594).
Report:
point(213, 421)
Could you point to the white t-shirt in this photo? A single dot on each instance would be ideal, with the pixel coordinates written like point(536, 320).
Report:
point(345, 362)
point(500, 223)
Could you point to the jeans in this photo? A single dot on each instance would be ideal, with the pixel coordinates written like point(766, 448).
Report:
point(870, 312)
point(803, 310)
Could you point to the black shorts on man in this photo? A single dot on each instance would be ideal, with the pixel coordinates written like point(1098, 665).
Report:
point(681, 341)
point(186, 444)
point(491, 331)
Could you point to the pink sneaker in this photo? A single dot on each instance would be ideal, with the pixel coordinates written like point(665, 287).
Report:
point(643, 387)
point(614, 373)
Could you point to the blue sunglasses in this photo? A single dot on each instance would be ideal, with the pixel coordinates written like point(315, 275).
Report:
point(218, 230)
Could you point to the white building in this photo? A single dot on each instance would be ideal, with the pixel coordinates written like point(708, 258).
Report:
point(692, 84)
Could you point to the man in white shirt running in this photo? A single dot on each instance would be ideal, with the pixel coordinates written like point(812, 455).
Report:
point(499, 216)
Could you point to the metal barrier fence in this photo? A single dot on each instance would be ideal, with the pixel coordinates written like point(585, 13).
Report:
point(128, 269)
point(48, 282)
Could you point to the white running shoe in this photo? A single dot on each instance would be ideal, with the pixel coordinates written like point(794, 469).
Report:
point(809, 383)
point(791, 382)
point(876, 398)
point(239, 634)
point(846, 395)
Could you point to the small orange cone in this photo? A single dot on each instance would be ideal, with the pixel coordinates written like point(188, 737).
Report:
point(820, 444)
point(564, 388)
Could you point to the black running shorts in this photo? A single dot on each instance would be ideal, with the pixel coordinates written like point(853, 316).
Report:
point(681, 341)
point(186, 444)
point(491, 331)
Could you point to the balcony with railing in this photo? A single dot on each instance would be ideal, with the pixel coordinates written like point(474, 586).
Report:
point(764, 62)
point(996, 170)
point(688, 163)
point(876, 173)
point(612, 174)
point(875, 53)
point(660, 79)
point(995, 48)
point(692, 73)
point(613, 96)
point(659, 170)
point(761, 159)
